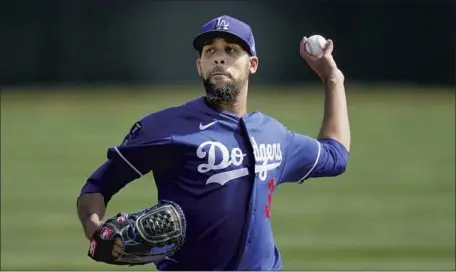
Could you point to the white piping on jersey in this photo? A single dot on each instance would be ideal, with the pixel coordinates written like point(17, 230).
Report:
point(314, 165)
point(127, 162)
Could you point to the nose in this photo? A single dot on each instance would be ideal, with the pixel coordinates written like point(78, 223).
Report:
point(219, 60)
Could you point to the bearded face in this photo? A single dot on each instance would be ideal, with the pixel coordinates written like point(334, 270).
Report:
point(224, 68)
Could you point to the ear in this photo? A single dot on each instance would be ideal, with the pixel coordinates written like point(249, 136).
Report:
point(253, 65)
point(198, 66)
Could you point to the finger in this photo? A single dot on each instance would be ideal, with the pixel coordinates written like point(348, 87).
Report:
point(118, 242)
point(303, 41)
point(329, 47)
point(116, 253)
point(302, 45)
point(117, 248)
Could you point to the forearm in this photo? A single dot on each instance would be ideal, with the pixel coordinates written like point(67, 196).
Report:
point(100, 187)
point(335, 119)
point(91, 209)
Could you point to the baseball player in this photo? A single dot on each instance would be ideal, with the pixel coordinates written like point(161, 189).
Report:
point(220, 163)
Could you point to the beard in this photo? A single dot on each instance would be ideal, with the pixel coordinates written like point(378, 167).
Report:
point(223, 92)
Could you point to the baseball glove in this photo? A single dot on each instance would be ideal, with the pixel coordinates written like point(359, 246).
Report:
point(143, 237)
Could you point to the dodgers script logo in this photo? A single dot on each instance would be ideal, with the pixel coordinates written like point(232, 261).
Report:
point(267, 158)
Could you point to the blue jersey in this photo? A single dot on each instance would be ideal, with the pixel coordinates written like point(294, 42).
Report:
point(222, 170)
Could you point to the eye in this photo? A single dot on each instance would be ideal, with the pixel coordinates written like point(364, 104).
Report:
point(209, 50)
point(229, 49)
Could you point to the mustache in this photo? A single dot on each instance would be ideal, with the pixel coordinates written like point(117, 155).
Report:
point(218, 70)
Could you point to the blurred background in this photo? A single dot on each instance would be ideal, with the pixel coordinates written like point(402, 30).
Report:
point(75, 76)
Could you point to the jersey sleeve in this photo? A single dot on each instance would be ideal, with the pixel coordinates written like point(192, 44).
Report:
point(307, 157)
point(143, 149)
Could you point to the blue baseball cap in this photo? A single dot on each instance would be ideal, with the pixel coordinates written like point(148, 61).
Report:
point(229, 27)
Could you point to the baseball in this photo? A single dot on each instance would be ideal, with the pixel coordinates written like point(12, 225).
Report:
point(315, 45)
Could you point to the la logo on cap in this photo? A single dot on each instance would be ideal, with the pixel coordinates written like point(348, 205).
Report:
point(222, 24)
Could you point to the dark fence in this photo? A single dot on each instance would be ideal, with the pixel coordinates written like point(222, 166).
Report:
point(47, 41)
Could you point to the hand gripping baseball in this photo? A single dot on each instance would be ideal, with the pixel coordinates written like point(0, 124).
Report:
point(324, 66)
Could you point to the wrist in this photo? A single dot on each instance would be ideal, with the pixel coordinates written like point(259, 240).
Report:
point(91, 224)
point(335, 78)
point(333, 82)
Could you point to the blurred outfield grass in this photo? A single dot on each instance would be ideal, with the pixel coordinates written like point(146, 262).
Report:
point(392, 210)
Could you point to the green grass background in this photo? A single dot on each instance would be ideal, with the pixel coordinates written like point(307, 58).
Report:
point(392, 210)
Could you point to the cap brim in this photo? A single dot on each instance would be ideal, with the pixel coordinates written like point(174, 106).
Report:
point(205, 37)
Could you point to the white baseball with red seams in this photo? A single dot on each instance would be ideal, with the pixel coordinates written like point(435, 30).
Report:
point(315, 45)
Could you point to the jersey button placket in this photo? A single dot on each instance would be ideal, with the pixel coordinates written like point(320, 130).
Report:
point(250, 233)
